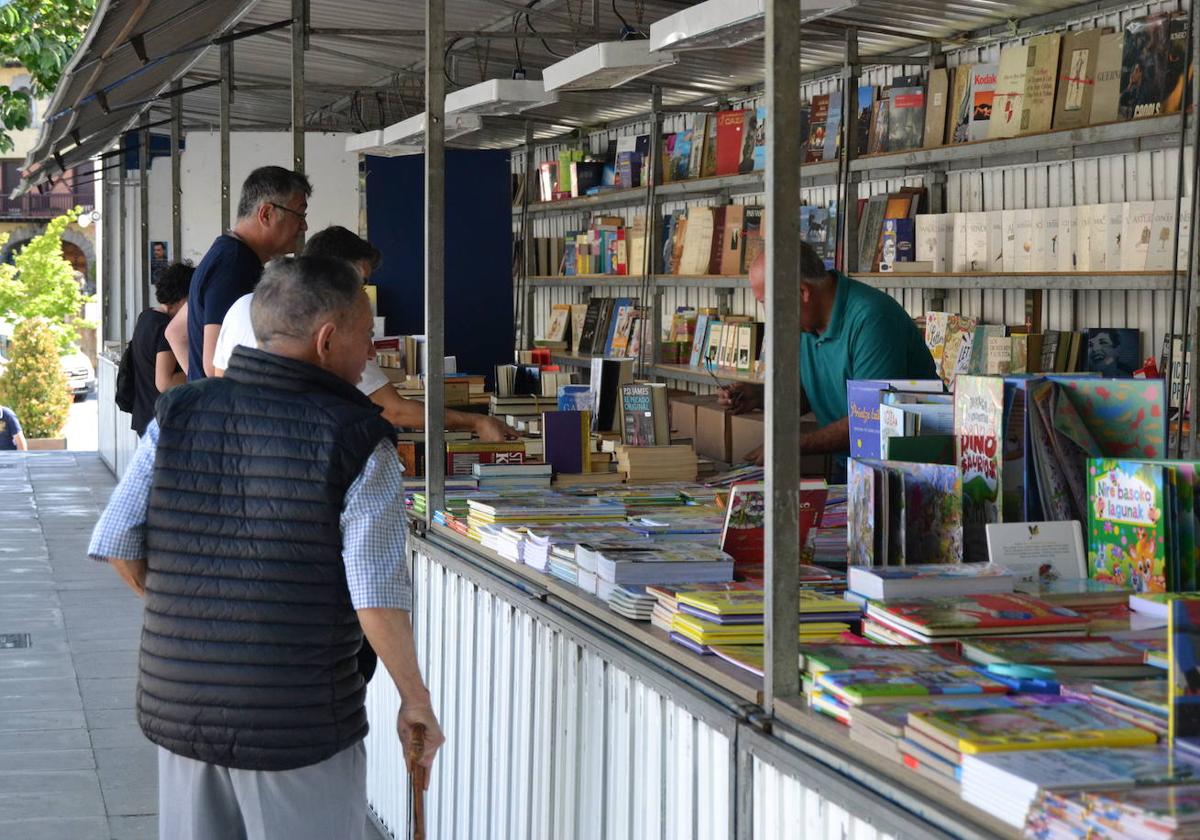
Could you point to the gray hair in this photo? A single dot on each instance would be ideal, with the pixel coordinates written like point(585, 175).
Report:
point(298, 294)
point(270, 185)
point(812, 267)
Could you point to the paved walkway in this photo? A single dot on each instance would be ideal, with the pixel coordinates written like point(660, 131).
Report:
point(73, 763)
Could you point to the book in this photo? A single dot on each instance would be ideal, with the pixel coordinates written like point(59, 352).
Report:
point(936, 103)
point(644, 412)
point(1057, 726)
point(938, 579)
point(977, 242)
point(1162, 249)
point(1041, 78)
point(930, 246)
point(975, 615)
point(979, 428)
point(560, 316)
point(866, 100)
point(1009, 94)
point(1070, 657)
point(877, 143)
point(742, 535)
point(870, 229)
point(1106, 98)
point(607, 377)
point(903, 684)
point(1080, 52)
point(1152, 66)
point(1183, 636)
point(1127, 524)
point(960, 107)
point(663, 564)
point(753, 242)
point(732, 241)
point(731, 129)
point(833, 129)
point(984, 78)
point(1112, 351)
point(1137, 225)
point(1038, 552)
point(906, 119)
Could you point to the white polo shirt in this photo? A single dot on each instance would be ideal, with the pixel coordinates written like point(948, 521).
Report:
point(236, 329)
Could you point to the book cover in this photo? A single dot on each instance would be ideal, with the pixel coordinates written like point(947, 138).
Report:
point(817, 659)
point(1112, 351)
point(619, 323)
point(979, 428)
point(754, 220)
point(1083, 238)
point(885, 583)
point(1137, 229)
point(697, 247)
point(833, 129)
point(1022, 240)
point(745, 513)
point(732, 240)
point(870, 229)
point(1116, 218)
point(560, 316)
point(932, 512)
point(976, 614)
point(977, 242)
point(1038, 552)
point(877, 143)
point(1063, 652)
point(1076, 78)
point(1152, 64)
point(638, 428)
point(960, 108)
point(898, 683)
point(958, 243)
point(1127, 525)
point(995, 244)
point(887, 246)
point(1065, 239)
point(862, 398)
point(1106, 99)
point(815, 229)
point(708, 163)
point(1057, 726)
point(731, 128)
point(866, 99)
point(906, 119)
point(863, 538)
point(936, 102)
point(930, 246)
point(1041, 78)
point(1010, 93)
point(984, 78)
point(1041, 259)
point(565, 438)
point(1162, 249)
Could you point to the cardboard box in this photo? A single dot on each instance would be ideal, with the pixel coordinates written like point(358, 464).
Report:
point(746, 434)
point(683, 413)
point(714, 435)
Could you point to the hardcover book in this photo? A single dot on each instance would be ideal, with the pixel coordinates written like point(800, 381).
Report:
point(833, 130)
point(1010, 93)
point(976, 615)
point(906, 119)
point(983, 97)
point(1041, 76)
point(866, 101)
point(879, 126)
point(1127, 525)
point(1038, 552)
point(1064, 245)
point(817, 659)
point(960, 108)
point(979, 428)
point(731, 128)
point(936, 101)
point(1137, 230)
point(1076, 78)
point(1112, 351)
point(1152, 66)
point(1106, 98)
point(930, 247)
point(899, 684)
point(934, 579)
point(1162, 248)
point(565, 438)
point(1057, 726)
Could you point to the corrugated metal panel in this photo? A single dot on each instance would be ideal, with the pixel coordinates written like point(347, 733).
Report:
point(784, 809)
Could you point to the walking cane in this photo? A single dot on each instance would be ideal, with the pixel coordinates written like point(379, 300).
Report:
point(416, 777)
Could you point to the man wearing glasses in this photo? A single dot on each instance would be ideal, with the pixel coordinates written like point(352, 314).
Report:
point(271, 215)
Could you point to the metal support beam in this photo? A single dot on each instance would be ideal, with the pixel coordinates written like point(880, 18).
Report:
point(176, 185)
point(144, 208)
point(435, 255)
point(299, 25)
point(226, 101)
point(478, 34)
point(122, 273)
point(848, 222)
point(524, 292)
point(782, 548)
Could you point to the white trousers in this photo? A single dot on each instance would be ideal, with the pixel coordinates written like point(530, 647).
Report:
point(324, 801)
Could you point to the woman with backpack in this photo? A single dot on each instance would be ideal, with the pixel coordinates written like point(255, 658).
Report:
point(148, 366)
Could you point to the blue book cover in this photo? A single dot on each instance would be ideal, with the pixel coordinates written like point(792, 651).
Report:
point(574, 398)
point(863, 398)
point(760, 139)
point(622, 307)
point(906, 240)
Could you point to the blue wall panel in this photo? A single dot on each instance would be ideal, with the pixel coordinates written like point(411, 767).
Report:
point(479, 302)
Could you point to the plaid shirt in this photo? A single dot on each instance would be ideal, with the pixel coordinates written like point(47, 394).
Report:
point(373, 525)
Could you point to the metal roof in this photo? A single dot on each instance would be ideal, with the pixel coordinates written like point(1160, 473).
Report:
point(361, 82)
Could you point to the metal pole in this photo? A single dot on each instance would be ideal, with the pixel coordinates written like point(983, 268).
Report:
point(523, 290)
point(847, 220)
point(176, 185)
point(226, 101)
point(435, 255)
point(144, 206)
point(781, 548)
point(122, 247)
point(651, 174)
point(299, 27)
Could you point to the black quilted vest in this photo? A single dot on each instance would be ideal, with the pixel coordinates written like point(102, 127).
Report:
point(250, 645)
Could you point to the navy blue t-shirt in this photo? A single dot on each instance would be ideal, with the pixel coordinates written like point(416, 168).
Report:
point(10, 427)
point(229, 270)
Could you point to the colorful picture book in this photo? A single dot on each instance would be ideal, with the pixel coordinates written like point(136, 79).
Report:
point(925, 580)
point(897, 684)
point(1129, 523)
point(974, 615)
point(903, 513)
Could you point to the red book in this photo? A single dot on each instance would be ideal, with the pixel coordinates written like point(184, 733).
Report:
point(975, 615)
point(731, 125)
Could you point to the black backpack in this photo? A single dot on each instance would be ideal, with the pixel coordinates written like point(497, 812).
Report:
point(124, 397)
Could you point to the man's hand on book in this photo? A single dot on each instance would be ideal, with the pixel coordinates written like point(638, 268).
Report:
point(740, 397)
point(754, 456)
point(492, 430)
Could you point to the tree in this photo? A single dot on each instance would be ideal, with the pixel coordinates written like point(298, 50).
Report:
point(34, 385)
point(41, 284)
point(41, 35)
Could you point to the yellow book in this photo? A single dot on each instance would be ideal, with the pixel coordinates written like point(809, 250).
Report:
point(706, 632)
point(1057, 726)
point(751, 602)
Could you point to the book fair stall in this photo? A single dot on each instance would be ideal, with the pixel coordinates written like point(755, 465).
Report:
point(653, 613)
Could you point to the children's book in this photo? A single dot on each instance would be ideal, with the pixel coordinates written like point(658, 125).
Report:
point(979, 428)
point(925, 580)
point(750, 602)
point(1050, 727)
point(1127, 524)
point(745, 516)
point(975, 615)
point(898, 684)
point(817, 659)
point(1068, 656)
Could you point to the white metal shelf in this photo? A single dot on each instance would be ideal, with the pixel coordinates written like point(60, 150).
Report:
point(1113, 280)
point(612, 281)
point(733, 184)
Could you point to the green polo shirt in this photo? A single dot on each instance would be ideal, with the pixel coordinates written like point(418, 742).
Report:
point(869, 336)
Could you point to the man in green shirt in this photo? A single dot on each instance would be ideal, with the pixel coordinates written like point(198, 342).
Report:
point(848, 331)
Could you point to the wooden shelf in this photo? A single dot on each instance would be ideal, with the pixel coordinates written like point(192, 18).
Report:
point(1082, 281)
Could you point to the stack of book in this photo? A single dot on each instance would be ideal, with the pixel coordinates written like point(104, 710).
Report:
point(652, 464)
point(630, 602)
point(544, 508)
point(503, 476)
point(904, 513)
point(634, 561)
point(968, 616)
point(1141, 702)
point(1006, 785)
point(1164, 812)
point(736, 618)
point(835, 692)
point(1069, 657)
point(889, 583)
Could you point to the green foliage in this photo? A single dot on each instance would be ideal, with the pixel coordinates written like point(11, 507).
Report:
point(34, 385)
point(41, 35)
point(41, 284)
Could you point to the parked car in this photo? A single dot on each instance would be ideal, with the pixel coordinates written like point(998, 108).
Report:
point(81, 376)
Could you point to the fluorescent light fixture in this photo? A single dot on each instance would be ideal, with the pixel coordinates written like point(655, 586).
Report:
point(499, 97)
point(408, 136)
point(607, 65)
point(728, 23)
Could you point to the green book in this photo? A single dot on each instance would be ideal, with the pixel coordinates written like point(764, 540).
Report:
point(1128, 523)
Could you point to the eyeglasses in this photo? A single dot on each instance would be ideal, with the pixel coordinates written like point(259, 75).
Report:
point(301, 216)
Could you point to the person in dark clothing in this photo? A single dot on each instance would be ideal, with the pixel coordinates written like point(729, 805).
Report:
point(271, 215)
point(11, 437)
point(262, 518)
point(155, 368)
